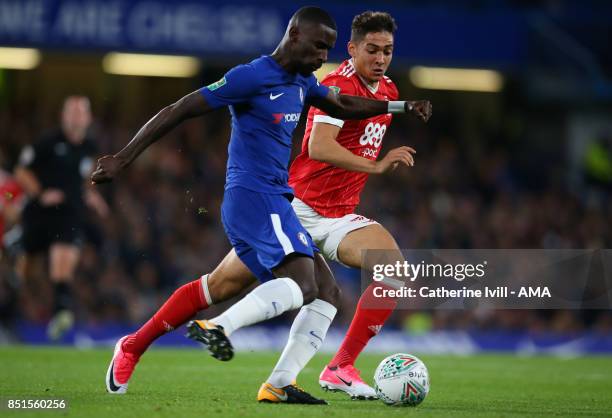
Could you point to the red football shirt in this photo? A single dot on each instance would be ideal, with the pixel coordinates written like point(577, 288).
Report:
point(10, 194)
point(334, 192)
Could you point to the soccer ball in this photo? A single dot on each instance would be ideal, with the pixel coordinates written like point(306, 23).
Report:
point(401, 380)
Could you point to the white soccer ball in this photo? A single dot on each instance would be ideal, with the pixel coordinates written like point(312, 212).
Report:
point(401, 380)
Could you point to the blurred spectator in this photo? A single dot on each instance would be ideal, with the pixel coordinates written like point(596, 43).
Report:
point(11, 199)
point(598, 163)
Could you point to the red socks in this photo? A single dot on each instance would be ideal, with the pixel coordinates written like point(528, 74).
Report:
point(184, 303)
point(366, 323)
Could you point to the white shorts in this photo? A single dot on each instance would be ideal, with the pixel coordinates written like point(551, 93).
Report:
point(327, 233)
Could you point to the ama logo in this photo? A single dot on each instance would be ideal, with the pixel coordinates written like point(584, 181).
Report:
point(286, 117)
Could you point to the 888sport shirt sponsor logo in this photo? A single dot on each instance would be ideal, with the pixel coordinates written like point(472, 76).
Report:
point(372, 138)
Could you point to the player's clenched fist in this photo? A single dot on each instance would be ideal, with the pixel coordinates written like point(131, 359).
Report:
point(400, 155)
point(420, 108)
point(108, 167)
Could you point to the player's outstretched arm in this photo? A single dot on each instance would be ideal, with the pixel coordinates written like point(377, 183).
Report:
point(189, 106)
point(324, 147)
point(343, 106)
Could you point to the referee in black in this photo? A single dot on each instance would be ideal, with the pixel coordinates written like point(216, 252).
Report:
point(54, 173)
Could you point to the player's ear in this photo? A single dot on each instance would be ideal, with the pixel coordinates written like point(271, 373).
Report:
point(352, 48)
point(294, 34)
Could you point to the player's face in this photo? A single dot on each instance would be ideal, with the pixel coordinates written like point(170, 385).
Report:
point(76, 117)
point(312, 47)
point(372, 55)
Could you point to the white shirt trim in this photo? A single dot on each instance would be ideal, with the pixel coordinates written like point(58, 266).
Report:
point(329, 120)
point(373, 89)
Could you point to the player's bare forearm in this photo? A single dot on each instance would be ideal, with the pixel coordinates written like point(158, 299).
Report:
point(335, 154)
point(163, 122)
point(343, 106)
point(160, 124)
point(324, 147)
point(338, 156)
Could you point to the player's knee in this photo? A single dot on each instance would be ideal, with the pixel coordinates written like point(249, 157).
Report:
point(310, 290)
point(221, 290)
point(331, 294)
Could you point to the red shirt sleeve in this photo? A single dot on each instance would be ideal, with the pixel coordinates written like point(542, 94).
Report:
point(342, 85)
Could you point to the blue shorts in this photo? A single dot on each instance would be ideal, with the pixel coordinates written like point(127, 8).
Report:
point(263, 229)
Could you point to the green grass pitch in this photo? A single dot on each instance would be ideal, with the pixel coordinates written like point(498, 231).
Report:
point(189, 383)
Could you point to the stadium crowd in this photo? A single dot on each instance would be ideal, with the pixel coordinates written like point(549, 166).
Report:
point(164, 227)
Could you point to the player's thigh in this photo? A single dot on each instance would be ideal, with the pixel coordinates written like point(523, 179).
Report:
point(328, 288)
point(229, 278)
point(63, 260)
point(264, 225)
point(371, 237)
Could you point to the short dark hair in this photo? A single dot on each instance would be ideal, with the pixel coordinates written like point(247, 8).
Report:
point(370, 21)
point(312, 14)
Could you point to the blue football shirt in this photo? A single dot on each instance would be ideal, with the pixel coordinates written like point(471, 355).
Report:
point(265, 102)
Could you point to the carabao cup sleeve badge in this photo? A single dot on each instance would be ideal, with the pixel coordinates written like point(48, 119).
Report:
point(217, 84)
